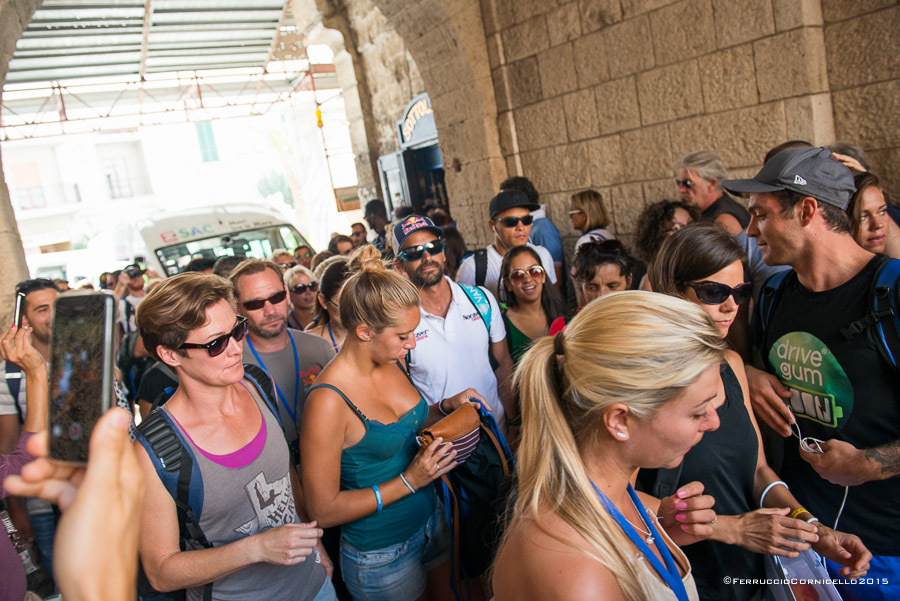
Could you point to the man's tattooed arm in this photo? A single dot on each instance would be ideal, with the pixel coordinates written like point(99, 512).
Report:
point(885, 460)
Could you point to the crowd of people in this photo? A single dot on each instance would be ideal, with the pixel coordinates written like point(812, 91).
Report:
point(724, 392)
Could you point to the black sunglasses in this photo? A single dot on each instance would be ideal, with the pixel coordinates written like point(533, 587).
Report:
point(514, 221)
point(684, 182)
point(217, 346)
point(287, 266)
point(256, 305)
point(715, 293)
point(301, 288)
point(414, 253)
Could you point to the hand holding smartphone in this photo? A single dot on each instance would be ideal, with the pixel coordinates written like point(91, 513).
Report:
point(81, 371)
point(17, 319)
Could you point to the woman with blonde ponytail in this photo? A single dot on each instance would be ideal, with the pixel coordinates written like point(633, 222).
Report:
point(360, 463)
point(594, 410)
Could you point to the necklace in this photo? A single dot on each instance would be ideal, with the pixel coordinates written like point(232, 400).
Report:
point(648, 536)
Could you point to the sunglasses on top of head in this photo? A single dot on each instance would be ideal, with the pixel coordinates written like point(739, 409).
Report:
point(514, 221)
point(217, 346)
point(716, 293)
point(414, 253)
point(301, 288)
point(518, 275)
point(256, 305)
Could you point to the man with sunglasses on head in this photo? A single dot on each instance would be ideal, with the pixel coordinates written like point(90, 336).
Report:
point(510, 221)
point(699, 178)
point(460, 329)
point(292, 358)
point(825, 378)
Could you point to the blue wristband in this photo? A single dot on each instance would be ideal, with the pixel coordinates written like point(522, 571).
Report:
point(377, 497)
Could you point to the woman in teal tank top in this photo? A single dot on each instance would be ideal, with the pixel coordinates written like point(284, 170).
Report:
point(361, 465)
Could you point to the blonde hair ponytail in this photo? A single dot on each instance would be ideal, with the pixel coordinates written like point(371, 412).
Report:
point(374, 295)
point(637, 348)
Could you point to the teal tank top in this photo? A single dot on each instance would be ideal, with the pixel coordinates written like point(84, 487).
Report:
point(383, 453)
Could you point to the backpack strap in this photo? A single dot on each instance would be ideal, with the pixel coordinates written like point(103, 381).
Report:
point(883, 313)
point(15, 385)
point(129, 312)
point(264, 386)
point(769, 295)
point(480, 266)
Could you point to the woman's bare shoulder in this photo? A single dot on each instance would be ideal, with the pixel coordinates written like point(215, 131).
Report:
point(549, 561)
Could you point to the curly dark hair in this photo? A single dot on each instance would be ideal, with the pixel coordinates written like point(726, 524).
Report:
point(590, 256)
point(652, 224)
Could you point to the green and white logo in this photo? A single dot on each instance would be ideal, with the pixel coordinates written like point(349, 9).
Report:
point(820, 390)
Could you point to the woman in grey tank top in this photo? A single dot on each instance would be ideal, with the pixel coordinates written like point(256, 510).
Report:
point(260, 548)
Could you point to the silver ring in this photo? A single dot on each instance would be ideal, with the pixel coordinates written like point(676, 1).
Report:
point(715, 521)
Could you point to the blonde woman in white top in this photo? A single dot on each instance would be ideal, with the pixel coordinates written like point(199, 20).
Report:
point(594, 410)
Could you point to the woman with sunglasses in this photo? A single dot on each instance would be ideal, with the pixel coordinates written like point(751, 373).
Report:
point(302, 286)
point(260, 547)
point(757, 514)
point(361, 466)
point(589, 216)
point(327, 323)
point(531, 305)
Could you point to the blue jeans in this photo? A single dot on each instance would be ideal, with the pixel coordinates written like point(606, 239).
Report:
point(397, 572)
point(326, 593)
point(872, 586)
point(43, 526)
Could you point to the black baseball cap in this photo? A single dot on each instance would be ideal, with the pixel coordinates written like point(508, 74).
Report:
point(810, 171)
point(510, 199)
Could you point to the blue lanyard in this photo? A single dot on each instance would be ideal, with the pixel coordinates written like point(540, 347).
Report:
point(333, 343)
point(293, 318)
point(669, 573)
point(292, 413)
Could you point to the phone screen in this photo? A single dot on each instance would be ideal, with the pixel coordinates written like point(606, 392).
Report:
point(80, 371)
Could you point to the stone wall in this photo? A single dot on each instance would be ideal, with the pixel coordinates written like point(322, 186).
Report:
point(862, 42)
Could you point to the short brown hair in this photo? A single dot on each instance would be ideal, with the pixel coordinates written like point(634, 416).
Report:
point(252, 267)
point(177, 306)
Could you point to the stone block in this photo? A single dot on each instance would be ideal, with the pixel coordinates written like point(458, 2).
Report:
point(581, 115)
point(497, 15)
point(838, 10)
point(606, 161)
point(590, 55)
point(528, 9)
point(543, 168)
point(524, 82)
point(668, 93)
point(791, 64)
point(632, 8)
point(506, 131)
point(564, 24)
point(742, 21)
point(869, 115)
point(575, 162)
point(864, 50)
point(541, 125)
point(791, 14)
point(597, 14)
point(627, 202)
point(740, 137)
point(629, 47)
point(681, 31)
point(810, 118)
point(557, 67)
point(647, 153)
point(526, 39)
point(617, 105)
point(728, 79)
point(660, 189)
point(884, 163)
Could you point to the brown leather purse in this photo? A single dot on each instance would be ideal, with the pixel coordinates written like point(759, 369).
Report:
point(461, 428)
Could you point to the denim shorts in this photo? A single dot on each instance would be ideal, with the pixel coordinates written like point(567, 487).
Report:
point(397, 572)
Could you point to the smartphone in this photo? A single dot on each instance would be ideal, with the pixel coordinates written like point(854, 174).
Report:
point(17, 319)
point(81, 371)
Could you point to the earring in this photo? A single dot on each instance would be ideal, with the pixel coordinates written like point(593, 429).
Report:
point(620, 434)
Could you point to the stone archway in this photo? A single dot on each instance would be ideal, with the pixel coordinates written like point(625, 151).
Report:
point(14, 18)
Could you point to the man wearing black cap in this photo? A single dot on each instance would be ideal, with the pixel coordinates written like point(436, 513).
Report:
point(825, 381)
point(376, 216)
point(511, 222)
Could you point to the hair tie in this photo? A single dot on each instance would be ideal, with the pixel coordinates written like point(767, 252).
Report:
point(558, 344)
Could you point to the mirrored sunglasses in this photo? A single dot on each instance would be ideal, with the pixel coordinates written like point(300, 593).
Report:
point(256, 305)
point(414, 253)
point(514, 221)
point(217, 346)
point(517, 275)
point(716, 293)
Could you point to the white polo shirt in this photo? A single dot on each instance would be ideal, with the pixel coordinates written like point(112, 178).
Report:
point(466, 273)
point(451, 352)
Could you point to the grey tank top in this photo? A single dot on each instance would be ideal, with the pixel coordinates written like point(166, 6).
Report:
point(243, 501)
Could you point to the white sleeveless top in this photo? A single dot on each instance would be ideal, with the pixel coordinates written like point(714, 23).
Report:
point(656, 589)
